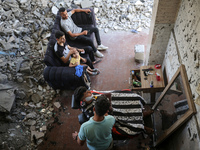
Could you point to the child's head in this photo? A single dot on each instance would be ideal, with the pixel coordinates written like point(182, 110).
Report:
point(75, 54)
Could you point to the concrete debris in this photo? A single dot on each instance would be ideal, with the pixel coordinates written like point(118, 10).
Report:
point(57, 104)
point(7, 100)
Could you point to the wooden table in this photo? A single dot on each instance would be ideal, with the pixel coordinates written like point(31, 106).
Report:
point(158, 86)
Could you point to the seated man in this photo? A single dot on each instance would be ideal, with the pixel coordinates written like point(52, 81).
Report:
point(80, 34)
point(127, 108)
point(63, 52)
point(98, 130)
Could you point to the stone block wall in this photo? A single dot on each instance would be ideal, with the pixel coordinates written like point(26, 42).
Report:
point(184, 47)
point(171, 61)
point(187, 34)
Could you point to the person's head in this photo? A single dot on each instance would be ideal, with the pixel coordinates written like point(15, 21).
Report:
point(82, 94)
point(63, 13)
point(60, 36)
point(75, 54)
point(101, 106)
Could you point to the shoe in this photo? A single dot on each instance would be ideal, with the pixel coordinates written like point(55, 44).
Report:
point(95, 73)
point(102, 47)
point(95, 70)
point(98, 54)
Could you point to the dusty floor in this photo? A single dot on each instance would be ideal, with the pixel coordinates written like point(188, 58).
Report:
point(115, 72)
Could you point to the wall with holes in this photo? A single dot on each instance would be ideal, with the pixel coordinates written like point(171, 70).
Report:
point(187, 34)
point(171, 60)
point(184, 47)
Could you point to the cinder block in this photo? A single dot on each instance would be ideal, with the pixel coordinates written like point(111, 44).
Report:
point(139, 53)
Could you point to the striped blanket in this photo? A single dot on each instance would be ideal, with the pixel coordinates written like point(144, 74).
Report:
point(127, 110)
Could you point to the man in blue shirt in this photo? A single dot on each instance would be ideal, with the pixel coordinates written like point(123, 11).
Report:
point(97, 132)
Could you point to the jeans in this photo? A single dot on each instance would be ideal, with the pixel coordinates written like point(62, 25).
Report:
point(87, 40)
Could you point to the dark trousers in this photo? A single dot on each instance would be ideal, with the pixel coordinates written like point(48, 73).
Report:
point(86, 38)
point(89, 55)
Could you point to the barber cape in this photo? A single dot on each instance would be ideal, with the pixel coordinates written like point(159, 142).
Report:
point(127, 111)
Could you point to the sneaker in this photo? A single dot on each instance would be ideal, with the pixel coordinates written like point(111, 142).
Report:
point(98, 54)
point(102, 47)
point(95, 73)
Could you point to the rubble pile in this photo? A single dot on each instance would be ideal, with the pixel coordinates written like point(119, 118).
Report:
point(25, 27)
point(25, 105)
point(116, 14)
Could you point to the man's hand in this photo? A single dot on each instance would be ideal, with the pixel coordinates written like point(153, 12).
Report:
point(81, 50)
point(72, 51)
point(74, 135)
point(84, 60)
point(85, 32)
point(87, 11)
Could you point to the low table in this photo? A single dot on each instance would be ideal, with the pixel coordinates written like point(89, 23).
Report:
point(158, 86)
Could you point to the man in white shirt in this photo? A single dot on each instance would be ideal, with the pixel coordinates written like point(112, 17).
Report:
point(80, 34)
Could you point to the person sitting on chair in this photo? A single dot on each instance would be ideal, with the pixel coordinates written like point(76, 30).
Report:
point(80, 34)
point(97, 132)
point(75, 61)
point(117, 108)
point(62, 50)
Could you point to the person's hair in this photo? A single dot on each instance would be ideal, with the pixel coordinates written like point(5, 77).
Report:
point(78, 94)
point(102, 105)
point(73, 53)
point(59, 34)
point(62, 9)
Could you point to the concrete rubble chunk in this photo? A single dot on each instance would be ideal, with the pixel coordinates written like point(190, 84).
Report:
point(37, 134)
point(86, 4)
point(57, 104)
point(54, 10)
point(7, 100)
point(31, 115)
point(20, 94)
point(3, 78)
point(30, 122)
point(35, 98)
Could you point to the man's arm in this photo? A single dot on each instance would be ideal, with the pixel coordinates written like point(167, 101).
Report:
point(85, 32)
point(66, 59)
point(81, 10)
point(75, 137)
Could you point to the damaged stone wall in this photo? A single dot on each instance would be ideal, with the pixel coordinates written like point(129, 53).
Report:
point(183, 47)
point(165, 15)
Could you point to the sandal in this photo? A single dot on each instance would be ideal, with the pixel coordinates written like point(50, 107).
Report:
point(97, 61)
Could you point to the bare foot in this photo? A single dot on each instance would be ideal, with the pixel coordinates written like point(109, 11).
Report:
point(148, 130)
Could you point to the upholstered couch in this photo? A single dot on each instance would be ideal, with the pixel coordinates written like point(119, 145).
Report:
point(56, 74)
